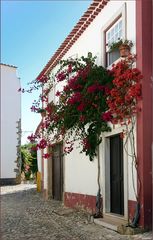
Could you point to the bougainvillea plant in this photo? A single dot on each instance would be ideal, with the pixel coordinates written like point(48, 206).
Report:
point(126, 92)
point(123, 104)
point(90, 99)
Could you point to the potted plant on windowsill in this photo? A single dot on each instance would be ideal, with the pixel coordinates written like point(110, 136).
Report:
point(124, 47)
point(42, 112)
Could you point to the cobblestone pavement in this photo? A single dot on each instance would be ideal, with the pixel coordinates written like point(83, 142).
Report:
point(26, 215)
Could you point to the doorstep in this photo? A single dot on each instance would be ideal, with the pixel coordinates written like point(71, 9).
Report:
point(111, 221)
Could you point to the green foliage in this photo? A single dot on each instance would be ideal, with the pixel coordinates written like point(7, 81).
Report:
point(41, 110)
point(82, 103)
point(115, 45)
point(29, 160)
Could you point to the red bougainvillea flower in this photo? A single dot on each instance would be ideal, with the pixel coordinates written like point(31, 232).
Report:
point(34, 148)
point(107, 116)
point(81, 107)
point(123, 97)
point(44, 98)
point(66, 88)
point(92, 88)
point(61, 76)
point(86, 144)
point(49, 109)
point(32, 137)
point(76, 97)
point(72, 83)
point(83, 73)
point(42, 144)
point(46, 155)
point(69, 70)
point(95, 87)
point(58, 94)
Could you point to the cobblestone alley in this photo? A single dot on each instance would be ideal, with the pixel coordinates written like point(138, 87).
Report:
point(25, 215)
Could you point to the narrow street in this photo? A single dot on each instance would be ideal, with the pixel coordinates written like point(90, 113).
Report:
point(26, 215)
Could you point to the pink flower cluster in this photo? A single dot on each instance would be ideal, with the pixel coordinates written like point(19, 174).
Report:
point(107, 116)
point(61, 76)
point(81, 107)
point(32, 137)
point(96, 87)
point(46, 155)
point(76, 97)
point(42, 144)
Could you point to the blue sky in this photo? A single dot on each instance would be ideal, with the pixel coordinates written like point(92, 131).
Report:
point(31, 31)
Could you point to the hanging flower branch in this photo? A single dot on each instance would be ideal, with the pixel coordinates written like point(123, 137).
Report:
point(126, 92)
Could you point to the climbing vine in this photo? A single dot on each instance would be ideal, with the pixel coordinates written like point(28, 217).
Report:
point(91, 97)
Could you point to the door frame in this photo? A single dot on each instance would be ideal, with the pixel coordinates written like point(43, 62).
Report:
point(105, 173)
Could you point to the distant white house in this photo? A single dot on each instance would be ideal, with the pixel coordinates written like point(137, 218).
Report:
point(10, 125)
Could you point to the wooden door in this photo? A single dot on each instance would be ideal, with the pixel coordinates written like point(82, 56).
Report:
point(116, 175)
point(57, 167)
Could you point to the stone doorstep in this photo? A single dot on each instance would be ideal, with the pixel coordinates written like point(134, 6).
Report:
point(117, 224)
point(111, 222)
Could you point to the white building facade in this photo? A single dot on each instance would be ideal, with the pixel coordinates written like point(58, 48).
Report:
point(75, 181)
point(10, 125)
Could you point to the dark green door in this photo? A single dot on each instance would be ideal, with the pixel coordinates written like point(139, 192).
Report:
point(57, 172)
point(116, 175)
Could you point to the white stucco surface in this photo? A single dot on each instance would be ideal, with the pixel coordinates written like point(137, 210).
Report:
point(10, 114)
point(80, 173)
point(92, 38)
point(39, 160)
point(45, 170)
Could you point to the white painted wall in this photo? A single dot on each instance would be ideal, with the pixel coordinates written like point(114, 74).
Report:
point(45, 161)
point(92, 39)
point(10, 114)
point(39, 160)
point(81, 174)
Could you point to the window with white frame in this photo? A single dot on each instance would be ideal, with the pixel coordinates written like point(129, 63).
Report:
point(113, 34)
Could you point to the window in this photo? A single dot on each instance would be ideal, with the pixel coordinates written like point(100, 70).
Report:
point(113, 34)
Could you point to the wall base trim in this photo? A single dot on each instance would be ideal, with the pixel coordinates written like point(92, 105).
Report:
point(80, 201)
point(131, 209)
point(8, 181)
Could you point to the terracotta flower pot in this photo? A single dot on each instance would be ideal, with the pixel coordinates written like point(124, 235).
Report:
point(124, 50)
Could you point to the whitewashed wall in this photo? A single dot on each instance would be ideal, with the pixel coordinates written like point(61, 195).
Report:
point(39, 160)
point(10, 114)
point(92, 39)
